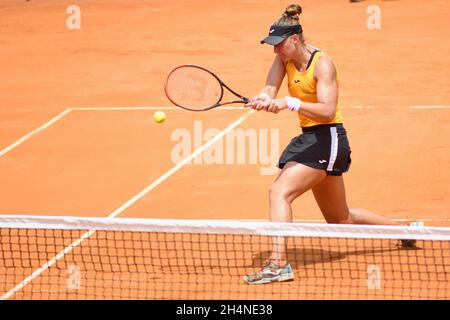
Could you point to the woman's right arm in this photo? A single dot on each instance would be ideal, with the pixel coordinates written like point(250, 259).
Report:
point(273, 82)
point(274, 78)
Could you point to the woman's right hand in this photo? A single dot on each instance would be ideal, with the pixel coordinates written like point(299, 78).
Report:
point(259, 102)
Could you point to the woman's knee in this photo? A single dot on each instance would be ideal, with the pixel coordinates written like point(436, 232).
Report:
point(353, 216)
point(275, 190)
point(347, 220)
point(279, 192)
point(343, 218)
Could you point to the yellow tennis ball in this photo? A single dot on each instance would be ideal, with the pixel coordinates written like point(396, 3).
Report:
point(159, 116)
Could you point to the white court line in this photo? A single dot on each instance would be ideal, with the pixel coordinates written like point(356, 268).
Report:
point(323, 220)
point(127, 204)
point(176, 108)
point(34, 132)
point(65, 112)
point(430, 107)
point(239, 108)
point(358, 107)
point(148, 108)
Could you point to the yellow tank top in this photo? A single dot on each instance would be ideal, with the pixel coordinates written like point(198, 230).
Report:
point(302, 85)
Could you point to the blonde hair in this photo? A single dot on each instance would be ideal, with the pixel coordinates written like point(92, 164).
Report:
point(291, 17)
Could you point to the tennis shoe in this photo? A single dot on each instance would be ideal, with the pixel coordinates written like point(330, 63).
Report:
point(411, 243)
point(271, 272)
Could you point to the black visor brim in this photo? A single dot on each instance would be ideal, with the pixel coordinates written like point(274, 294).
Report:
point(279, 33)
point(273, 40)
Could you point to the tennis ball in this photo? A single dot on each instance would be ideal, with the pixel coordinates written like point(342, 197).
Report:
point(159, 116)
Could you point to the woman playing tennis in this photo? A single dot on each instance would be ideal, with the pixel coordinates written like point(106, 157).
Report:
point(316, 159)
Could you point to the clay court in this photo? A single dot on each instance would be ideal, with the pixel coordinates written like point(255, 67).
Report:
point(77, 137)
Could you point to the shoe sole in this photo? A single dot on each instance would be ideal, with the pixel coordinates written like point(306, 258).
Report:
point(286, 277)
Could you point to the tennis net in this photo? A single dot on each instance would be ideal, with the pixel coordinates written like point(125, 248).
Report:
point(104, 258)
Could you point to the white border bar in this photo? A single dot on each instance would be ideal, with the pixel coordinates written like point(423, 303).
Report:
point(225, 227)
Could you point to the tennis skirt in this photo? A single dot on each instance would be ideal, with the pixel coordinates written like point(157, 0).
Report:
point(324, 147)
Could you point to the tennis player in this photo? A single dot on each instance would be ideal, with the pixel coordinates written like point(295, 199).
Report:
point(316, 159)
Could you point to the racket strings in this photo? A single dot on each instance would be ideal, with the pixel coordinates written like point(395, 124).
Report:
point(193, 88)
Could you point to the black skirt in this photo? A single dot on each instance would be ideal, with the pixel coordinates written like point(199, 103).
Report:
point(324, 147)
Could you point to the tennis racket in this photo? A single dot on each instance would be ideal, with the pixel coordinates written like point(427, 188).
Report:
point(195, 88)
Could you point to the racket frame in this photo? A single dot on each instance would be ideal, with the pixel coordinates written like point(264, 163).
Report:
point(221, 83)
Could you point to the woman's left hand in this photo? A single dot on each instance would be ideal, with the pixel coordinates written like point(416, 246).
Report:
point(276, 105)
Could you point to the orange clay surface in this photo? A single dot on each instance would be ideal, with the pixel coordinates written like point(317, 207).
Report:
point(90, 162)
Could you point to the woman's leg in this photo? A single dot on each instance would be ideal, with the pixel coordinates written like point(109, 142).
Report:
point(330, 196)
point(293, 180)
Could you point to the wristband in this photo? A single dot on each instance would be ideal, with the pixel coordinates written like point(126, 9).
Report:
point(268, 98)
point(293, 103)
